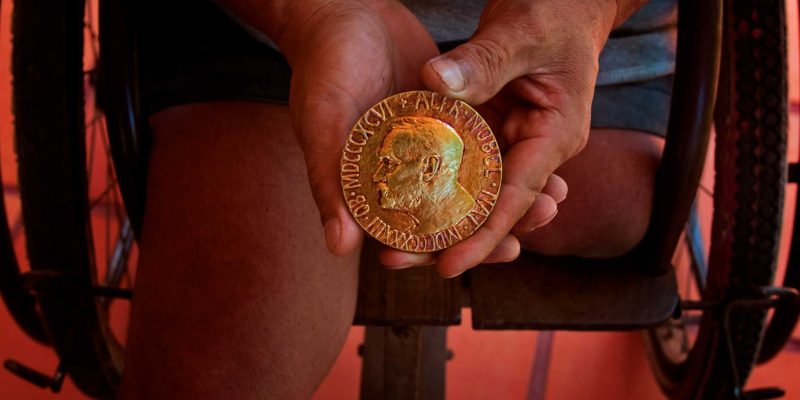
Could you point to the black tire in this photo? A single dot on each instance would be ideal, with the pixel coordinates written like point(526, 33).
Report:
point(750, 165)
point(48, 95)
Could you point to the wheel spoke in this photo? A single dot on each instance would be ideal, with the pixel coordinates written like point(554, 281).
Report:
point(108, 189)
point(705, 190)
point(96, 117)
point(117, 266)
point(697, 250)
point(89, 27)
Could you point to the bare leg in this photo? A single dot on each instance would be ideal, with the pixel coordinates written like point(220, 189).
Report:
point(236, 295)
point(610, 198)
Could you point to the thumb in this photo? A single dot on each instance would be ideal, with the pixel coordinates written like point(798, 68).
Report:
point(478, 69)
point(342, 235)
point(321, 119)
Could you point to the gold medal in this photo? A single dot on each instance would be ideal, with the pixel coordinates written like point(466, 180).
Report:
point(421, 171)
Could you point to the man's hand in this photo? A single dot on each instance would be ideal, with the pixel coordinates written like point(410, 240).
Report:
point(346, 55)
point(532, 66)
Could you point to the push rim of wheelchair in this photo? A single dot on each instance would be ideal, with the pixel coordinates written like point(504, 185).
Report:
point(706, 350)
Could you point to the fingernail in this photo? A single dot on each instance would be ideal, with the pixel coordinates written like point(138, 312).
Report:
point(401, 266)
point(449, 72)
point(551, 218)
point(332, 234)
point(545, 222)
point(501, 249)
point(454, 275)
point(415, 260)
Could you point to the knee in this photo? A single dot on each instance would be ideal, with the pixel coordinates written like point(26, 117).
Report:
point(606, 213)
point(603, 233)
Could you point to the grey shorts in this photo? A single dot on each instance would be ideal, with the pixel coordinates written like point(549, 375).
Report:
point(209, 57)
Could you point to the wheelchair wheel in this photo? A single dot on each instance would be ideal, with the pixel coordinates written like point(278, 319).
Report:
point(78, 239)
point(709, 350)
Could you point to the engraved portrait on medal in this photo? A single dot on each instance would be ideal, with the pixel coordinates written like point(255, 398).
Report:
point(421, 171)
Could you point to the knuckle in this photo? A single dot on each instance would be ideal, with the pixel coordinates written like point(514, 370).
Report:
point(575, 141)
point(504, 221)
point(316, 180)
point(580, 142)
point(489, 57)
point(525, 192)
point(521, 191)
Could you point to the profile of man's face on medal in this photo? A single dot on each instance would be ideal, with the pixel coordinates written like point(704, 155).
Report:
point(419, 160)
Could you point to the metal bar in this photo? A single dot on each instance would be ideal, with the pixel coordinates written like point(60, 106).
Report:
point(116, 293)
point(793, 173)
point(767, 297)
point(694, 93)
point(697, 249)
point(785, 317)
point(29, 374)
point(537, 385)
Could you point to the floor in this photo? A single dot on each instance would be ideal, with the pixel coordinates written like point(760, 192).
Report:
point(486, 365)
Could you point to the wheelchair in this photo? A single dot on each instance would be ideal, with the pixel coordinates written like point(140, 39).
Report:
point(706, 323)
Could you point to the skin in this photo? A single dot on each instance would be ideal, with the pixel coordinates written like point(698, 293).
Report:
point(533, 64)
point(223, 307)
point(240, 294)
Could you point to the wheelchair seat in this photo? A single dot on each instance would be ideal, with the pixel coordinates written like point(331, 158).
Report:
point(533, 292)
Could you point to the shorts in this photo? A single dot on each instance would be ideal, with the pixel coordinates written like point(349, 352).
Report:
point(194, 52)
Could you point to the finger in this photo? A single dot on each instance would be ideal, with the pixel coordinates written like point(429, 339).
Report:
point(477, 70)
point(556, 187)
point(527, 166)
point(543, 210)
point(328, 94)
point(323, 116)
point(396, 259)
point(323, 155)
point(508, 250)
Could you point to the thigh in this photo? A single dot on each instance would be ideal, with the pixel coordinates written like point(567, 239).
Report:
point(236, 294)
point(607, 210)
